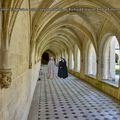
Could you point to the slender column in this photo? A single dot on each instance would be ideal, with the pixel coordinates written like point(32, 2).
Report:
point(98, 74)
point(5, 71)
point(82, 67)
point(30, 57)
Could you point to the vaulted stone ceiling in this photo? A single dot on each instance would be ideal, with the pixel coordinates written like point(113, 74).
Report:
point(56, 31)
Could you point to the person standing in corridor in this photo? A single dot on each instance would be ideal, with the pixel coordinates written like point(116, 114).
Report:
point(65, 71)
point(62, 69)
point(51, 66)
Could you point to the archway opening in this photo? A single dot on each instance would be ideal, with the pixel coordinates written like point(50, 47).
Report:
point(77, 58)
point(71, 60)
point(111, 60)
point(66, 57)
point(91, 61)
point(45, 58)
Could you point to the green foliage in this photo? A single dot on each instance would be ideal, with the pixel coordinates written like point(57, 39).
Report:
point(117, 72)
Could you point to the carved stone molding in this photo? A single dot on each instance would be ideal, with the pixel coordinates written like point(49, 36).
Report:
point(5, 78)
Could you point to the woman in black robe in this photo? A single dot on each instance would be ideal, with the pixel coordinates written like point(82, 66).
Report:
point(62, 69)
point(60, 66)
point(65, 71)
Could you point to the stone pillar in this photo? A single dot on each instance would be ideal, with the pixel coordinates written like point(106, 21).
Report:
point(99, 70)
point(112, 60)
point(63, 55)
point(66, 57)
point(69, 60)
point(82, 67)
point(73, 61)
point(5, 71)
point(30, 59)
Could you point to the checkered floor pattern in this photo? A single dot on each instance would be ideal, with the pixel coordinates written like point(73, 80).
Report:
point(70, 99)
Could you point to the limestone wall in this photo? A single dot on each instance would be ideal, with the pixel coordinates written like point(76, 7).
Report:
point(15, 101)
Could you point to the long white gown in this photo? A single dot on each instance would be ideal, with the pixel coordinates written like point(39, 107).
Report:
point(51, 69)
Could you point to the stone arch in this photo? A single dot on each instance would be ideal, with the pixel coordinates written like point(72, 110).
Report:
point(51, 18)
point(96, 4)
point(77, 58)
point(71, 60)
point(107, 55)
point(90, 60)
point(77, 27)
point(45, 58)
point(66, 57)
point(58, 39)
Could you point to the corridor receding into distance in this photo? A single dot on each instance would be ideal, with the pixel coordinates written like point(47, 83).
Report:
point(80, 39)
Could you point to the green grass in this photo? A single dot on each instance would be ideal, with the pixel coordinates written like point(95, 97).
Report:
point(117, 69)
point(117, 72)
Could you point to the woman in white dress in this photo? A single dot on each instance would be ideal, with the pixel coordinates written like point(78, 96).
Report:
point(51, 66)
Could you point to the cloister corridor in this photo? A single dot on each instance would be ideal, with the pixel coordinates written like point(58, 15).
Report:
point(85, 34)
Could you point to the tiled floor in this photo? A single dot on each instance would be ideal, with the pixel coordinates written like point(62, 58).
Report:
point(71, 99)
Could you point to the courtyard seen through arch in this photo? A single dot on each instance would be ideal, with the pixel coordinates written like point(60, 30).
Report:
point(91, 65)
point(111, 60)
point(77, 58)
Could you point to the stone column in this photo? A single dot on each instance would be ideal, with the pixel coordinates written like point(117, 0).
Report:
point(112, 60)
point(5, 71)
point(99, 70)
point(66, 57)
point(69, 60)
point(119, 81)
point(75, 58)
point(82, 67)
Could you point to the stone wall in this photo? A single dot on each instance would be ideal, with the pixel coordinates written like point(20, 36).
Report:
point(15, 101)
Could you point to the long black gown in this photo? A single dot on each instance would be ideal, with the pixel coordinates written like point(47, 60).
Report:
point(62, 69)
point(65, 71)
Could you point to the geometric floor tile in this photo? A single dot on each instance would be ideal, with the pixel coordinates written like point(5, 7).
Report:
point(71, 99)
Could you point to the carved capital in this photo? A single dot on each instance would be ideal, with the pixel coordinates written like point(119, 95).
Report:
point(5, 78)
